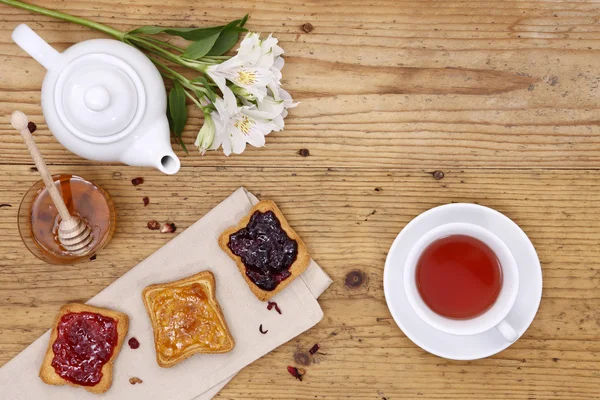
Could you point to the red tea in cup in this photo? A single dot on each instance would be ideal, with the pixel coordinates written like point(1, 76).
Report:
point(458, 277)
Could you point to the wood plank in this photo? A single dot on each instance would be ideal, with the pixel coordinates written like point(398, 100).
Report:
point(364, 355)
point(417, 84)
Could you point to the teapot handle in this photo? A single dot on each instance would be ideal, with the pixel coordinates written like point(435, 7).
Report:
point(35, 46)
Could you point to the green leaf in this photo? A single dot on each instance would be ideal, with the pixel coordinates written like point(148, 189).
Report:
point(209, 93)
point(206, 87)
point(178, 140)
point(201, 47)
point(227, 39)
point(191, 34)
point(201, 80)
point(177, 112)
point(186, 33)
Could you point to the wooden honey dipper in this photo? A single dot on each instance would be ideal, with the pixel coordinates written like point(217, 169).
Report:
point(73, 233)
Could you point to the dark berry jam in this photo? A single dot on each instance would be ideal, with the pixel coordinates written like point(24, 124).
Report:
point(85, 342)
point(265, 249)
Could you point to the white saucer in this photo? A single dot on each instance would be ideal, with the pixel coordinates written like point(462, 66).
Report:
point(463, 347)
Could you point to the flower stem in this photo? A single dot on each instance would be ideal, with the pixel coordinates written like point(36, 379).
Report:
point(117, 34)
point(194, 100)
point(160, 43)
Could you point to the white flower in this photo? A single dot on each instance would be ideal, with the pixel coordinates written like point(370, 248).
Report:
point(271, 55)
point(254, 74)
point(253, 79)
point(257, 65)
point(249, 69)
point(206, 135)
point(277, 105)
point(238, 126)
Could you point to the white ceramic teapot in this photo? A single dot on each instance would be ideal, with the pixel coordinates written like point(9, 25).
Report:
point(104, 100)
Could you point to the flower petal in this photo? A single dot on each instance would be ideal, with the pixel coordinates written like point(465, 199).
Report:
point(219, 79)
point(278, 63)
point(239, 141)
point(271, 106)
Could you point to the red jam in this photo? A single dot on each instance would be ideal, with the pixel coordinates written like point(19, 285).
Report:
point(85, 342)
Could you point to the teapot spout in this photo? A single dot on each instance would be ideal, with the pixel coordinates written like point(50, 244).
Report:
point(153, 150)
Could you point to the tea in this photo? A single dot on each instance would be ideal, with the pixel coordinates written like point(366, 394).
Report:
point(458, 277)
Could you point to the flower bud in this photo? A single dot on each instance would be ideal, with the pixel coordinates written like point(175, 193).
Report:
point(206, 135)
point(242, 93)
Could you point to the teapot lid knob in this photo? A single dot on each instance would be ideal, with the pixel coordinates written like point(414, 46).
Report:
point(97, 98)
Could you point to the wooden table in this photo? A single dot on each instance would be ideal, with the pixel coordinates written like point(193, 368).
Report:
point(501, 96)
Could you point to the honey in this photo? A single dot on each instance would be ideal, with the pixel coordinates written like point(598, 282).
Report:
point(39, 219)
point(184, 318)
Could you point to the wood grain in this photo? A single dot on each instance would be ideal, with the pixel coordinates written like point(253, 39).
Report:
point(502, 96)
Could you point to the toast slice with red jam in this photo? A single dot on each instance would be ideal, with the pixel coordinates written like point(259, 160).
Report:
point(84, 344)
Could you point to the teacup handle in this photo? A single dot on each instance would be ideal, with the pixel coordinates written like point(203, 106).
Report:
point(507, 331)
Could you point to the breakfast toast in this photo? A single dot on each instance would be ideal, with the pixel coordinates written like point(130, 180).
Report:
point(186, 319)
point(264, 283)
point(110, 332)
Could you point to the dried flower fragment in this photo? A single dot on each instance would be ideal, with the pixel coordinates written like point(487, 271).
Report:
point(169, 227)
point(153, 225)
point(295, 372)
point(31, 126)
point(272, 304)
point(133, 343)
point(314, 349)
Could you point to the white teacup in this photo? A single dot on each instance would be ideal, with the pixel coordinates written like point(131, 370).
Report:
point(495, 316)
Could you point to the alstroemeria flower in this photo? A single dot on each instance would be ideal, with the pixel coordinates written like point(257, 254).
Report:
point(257, 65)
point(238, 126)
point(253, 76)
point(277, 105)
point(253, 79)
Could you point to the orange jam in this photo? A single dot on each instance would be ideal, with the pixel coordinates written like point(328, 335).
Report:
point(184, 318)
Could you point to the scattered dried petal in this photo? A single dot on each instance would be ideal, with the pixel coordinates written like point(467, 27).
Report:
point(153, 225)
point(31, 126)
point(260, 329)
point(135, 380)
point(314, 349)
point(146, 201)
point(92, 258)
point(33, 169)
point(308, 27)
point(5, 205)
point(295, 372)
point(169, 227)
point(301, 371)
point(272, 304)
point(133, 343)
point(137, 181)
point(304, 152)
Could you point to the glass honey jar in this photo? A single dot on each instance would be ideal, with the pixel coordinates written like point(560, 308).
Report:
point(38, 218)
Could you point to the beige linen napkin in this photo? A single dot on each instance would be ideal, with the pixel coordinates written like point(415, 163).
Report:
point(201, 376)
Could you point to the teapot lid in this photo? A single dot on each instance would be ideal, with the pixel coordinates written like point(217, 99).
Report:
point(99, 98)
